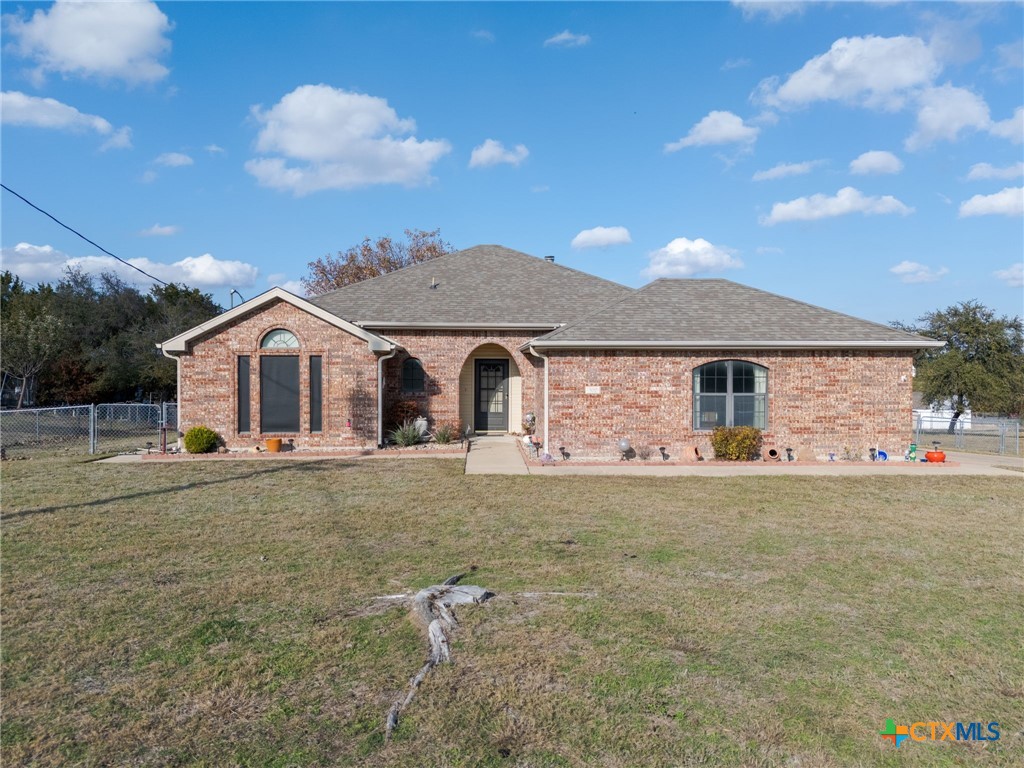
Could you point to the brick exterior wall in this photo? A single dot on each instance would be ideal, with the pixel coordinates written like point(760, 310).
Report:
point(442, 354)
point(209, 380)
point(819, 401)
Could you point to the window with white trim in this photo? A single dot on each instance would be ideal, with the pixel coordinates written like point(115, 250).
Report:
point(730, 393)
point(279, 338)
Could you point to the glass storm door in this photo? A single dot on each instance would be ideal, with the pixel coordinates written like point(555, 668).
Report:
point(491, 396)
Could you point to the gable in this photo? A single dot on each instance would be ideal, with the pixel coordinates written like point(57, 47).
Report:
point(182, 343)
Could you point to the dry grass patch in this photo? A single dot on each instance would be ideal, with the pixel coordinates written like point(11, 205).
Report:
point(223, 614)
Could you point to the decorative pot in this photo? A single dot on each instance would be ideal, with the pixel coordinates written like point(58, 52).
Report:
point(935, 457)
point(273, 445)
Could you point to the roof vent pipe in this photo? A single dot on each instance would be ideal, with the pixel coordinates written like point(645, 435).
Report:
point(550, 258)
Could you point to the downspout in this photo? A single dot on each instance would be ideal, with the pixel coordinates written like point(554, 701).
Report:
point(177, 392)
point(544, 357)
point(380, 394)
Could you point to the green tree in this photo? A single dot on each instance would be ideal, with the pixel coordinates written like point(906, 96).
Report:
point(982, 365)
point(371, 258)
point(31, 337)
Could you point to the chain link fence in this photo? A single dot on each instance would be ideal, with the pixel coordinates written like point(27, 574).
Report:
point(982, 435)
point(78, 429)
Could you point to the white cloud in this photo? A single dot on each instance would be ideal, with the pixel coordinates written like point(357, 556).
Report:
point(158, 230)
point(847, 200)
point(1011, 128)
point(173, 160)
point(493, 152)
point(716, 127)
point(149, 176)
point(599, 237)
point(981, 171)
point(764, 250)
point(340, 140)
point(213, 149)
point(1007, 202)
point(1013, 276)
point(945, 111)
point(877, 72)
point(567, 39)
point(773, 10)
point(782, 170)
point(122, 41)
point(37, 263)
point(483, 34)
point(1011, 56)
point(17, 108)
point(912, 272)
point(735, 64)
point(876, 162)
point(280, 279)
point(683, 257)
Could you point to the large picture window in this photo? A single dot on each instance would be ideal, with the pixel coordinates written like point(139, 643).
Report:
point(279, 393)
point(730, 393)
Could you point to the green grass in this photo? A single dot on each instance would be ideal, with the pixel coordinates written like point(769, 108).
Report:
point(223, 613)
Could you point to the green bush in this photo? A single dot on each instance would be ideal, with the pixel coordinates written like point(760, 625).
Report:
point(446, 433)
point(405, 434)
point(201, 440)
point(736, 443)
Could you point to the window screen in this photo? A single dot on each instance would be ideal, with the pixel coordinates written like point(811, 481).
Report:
point(243, 394)
point(316, 394)
point(279, 393)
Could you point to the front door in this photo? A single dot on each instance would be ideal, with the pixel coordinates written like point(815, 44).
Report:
point(491, 396)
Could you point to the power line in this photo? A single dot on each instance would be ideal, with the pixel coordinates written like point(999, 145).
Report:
point(75, 231)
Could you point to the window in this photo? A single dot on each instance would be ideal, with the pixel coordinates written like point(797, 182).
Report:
point(279, 393)
point(413, 378)
point(243, 394)
point(730, 393)
point(280, 339)
point(316, 394)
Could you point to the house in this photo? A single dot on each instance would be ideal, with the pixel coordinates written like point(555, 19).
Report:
point(487, 335)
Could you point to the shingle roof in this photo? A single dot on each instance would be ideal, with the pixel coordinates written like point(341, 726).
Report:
point(486, 284)
point(708, 313)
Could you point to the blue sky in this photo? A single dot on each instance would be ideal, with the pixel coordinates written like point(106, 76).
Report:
point(863, 157)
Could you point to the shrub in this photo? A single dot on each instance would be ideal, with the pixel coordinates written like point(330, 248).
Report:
point(446, 433)
point(736, 443)
point(644, 452)
point(201, 440)
point(402, 411)
point(405, 434)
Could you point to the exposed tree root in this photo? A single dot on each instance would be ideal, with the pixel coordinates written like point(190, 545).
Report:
point(433, 608)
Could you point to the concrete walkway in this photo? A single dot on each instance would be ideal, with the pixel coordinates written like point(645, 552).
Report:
point(494, 455)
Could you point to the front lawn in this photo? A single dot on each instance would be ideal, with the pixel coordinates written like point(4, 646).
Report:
point(223, 613)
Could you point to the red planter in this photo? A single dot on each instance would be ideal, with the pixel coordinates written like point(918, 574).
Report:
point(935, 457)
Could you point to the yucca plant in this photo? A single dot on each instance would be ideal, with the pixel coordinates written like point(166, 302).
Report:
point(446, 433)
point(405, 434)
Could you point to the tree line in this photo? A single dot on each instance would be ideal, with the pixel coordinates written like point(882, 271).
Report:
point(87, 340)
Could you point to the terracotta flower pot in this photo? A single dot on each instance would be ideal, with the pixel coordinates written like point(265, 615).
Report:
point(273, 445)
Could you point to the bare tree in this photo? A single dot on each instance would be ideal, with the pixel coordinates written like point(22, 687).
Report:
point(371, 258)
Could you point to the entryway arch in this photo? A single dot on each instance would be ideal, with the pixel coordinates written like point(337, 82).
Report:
point(491, 390)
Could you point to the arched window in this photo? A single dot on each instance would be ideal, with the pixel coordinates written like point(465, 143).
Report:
point(730, 393)
point(280, 339)
point(413, 379)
